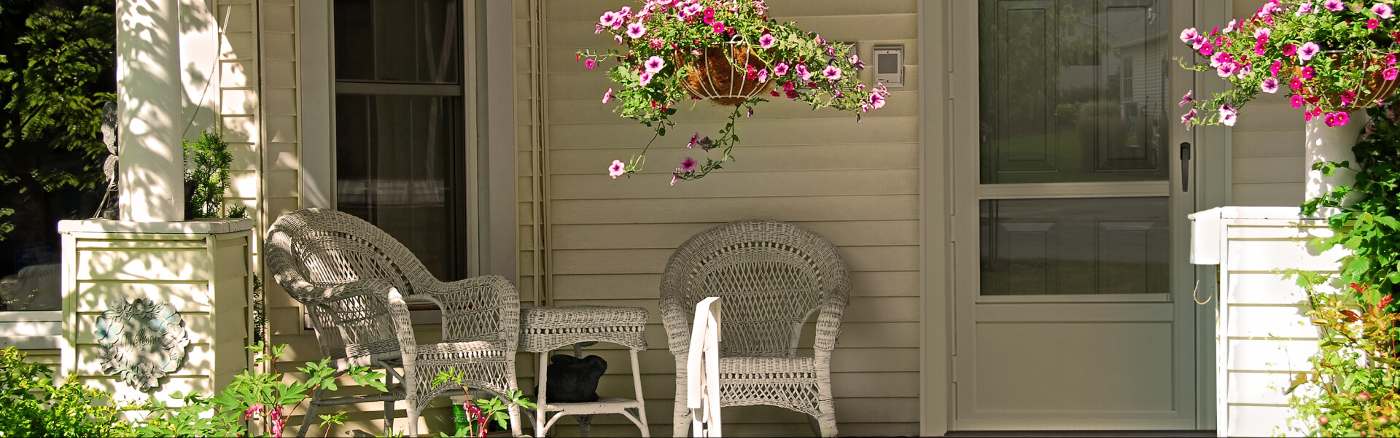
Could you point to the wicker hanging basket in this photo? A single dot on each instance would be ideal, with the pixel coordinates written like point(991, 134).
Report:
point(1377, 89)
point(713, 76)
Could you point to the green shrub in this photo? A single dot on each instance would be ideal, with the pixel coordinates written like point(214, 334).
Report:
point(207, 161)
point(33, 406)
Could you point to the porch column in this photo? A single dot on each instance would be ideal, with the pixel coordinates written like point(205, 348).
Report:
point(149, 111)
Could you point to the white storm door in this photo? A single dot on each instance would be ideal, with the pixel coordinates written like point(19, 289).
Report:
point(1073, 292)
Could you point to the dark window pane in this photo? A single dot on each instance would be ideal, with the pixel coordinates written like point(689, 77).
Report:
point(416, 41)
point(398, 164)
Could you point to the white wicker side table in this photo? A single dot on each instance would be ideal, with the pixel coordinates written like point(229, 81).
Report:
point(545, 329)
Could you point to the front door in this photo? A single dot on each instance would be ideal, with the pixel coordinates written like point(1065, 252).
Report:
point(1073, 294)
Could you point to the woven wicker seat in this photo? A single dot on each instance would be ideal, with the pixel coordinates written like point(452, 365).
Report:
point(772, 277)
point(354, 280)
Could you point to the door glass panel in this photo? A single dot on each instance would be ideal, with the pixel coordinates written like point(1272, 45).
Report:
point(400, 152)
point(1074, 246)
point(1073, 91)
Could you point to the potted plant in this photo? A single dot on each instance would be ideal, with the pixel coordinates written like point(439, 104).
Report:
point(1332, 58)
point(728, 52)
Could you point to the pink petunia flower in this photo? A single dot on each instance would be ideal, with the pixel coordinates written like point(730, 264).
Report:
point(654, 64)
point(1390, 73)
point(1333, 5)
point(767, 41)
point(1230, 27)
point(831, 73)
point(694, 138)
point(1226, 70)
point(1309, 72)
point(1262, 33)
point(609, 19)
point(1372, 23)
point(636, 30)
point(1269, 85)
point(803, 73)
point(645, 78)
point(1228, 115)
point(1307, 51)
point(877, 100)
point(618, 168)
point(763, 75)
point(590, 64)
point(1305, 8)
point(1295, 101)
point(1289, 49)
point(780, 69)
point(1187, 118)
point(1189, 97)
point(607, 96)
point(1188, 35)
point(1348, 97)
point(1382, 10)
point(688, 165)
point(1295, 84)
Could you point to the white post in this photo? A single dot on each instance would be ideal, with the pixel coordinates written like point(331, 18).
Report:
point(1330, 144)
point(149, 110)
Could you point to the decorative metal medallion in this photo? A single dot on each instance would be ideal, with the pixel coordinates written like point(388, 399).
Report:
point(141, 342)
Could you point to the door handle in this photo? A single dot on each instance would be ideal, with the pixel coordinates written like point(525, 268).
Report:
point(1185, 166)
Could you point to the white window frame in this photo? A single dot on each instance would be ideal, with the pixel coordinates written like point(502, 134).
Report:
point(490, 126)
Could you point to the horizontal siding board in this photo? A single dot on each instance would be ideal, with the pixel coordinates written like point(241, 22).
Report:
point(653, 261)
point(855, 156)
point(773, 132)
point(743, 185)
point(805, 208)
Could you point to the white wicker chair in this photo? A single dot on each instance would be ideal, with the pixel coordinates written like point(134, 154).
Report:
point(354, 279)
point(772, 277)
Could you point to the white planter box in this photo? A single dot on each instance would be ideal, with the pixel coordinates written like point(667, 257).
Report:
point(1262, 334)
point(201, 269)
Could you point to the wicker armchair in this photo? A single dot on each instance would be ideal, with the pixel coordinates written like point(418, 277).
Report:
point(354, 280)
point(772, 277)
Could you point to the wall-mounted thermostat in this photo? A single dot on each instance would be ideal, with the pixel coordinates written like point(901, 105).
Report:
point(889, 65)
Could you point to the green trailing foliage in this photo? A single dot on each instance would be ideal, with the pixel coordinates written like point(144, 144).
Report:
point(1354, 388)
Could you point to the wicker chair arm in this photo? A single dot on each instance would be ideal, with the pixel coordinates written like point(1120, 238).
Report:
point(373, 320)
point(466, 298)
point(676, 317)
point(829, 323)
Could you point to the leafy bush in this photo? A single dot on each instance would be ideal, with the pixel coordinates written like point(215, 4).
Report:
point(270, 398)
point(473, 418)
point(206, 178)
point(33, 406)
point(1353, 386)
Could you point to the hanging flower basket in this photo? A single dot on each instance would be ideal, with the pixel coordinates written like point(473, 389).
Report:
point(726, 75)
point(728, 52)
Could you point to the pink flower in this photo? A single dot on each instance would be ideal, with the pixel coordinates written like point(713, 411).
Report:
point(1390, 59)
point(636, 30)
point(1372, 23)
point(1187, 118)
point(1295, 84)
point(877, 100)
point(1206, 50)
point(590, 63)
point(1348, 97)
point(1390, 73)
point(1305, 8)
point(1309, 72)
point(1333, 5)
point(1189, 97)
point(790, 90)
point(718, 27)
point(767, 41)
point(709, 17)
point(1336, 119)
point(645, 78)
point(1381, 10)
point(609, 19)
point(1274, 68)
point(1227, 69)
point(618, 168)
point(763, 75)
point(831, 73)
point(688, 165)
point(654, 64)
point(781, 69)
point(1227, 115)
point(693, 139)
point(803, 73)
point(1262, 33)
point(1230, 27)
point(1189, 35)
point(252, 411)
point(607, 96)
point(1296, 101)
point(1269, 85)
point(1289, 49)
point(656, 43)
point(1307, 51)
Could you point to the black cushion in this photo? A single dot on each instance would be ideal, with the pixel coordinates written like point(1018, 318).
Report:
point(573, 379)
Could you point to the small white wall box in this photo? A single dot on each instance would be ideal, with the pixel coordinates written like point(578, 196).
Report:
point(889, 65)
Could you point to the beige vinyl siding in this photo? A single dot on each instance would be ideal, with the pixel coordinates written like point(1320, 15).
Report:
point(530, 153)
point(856, 184)
point(1266, 165)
